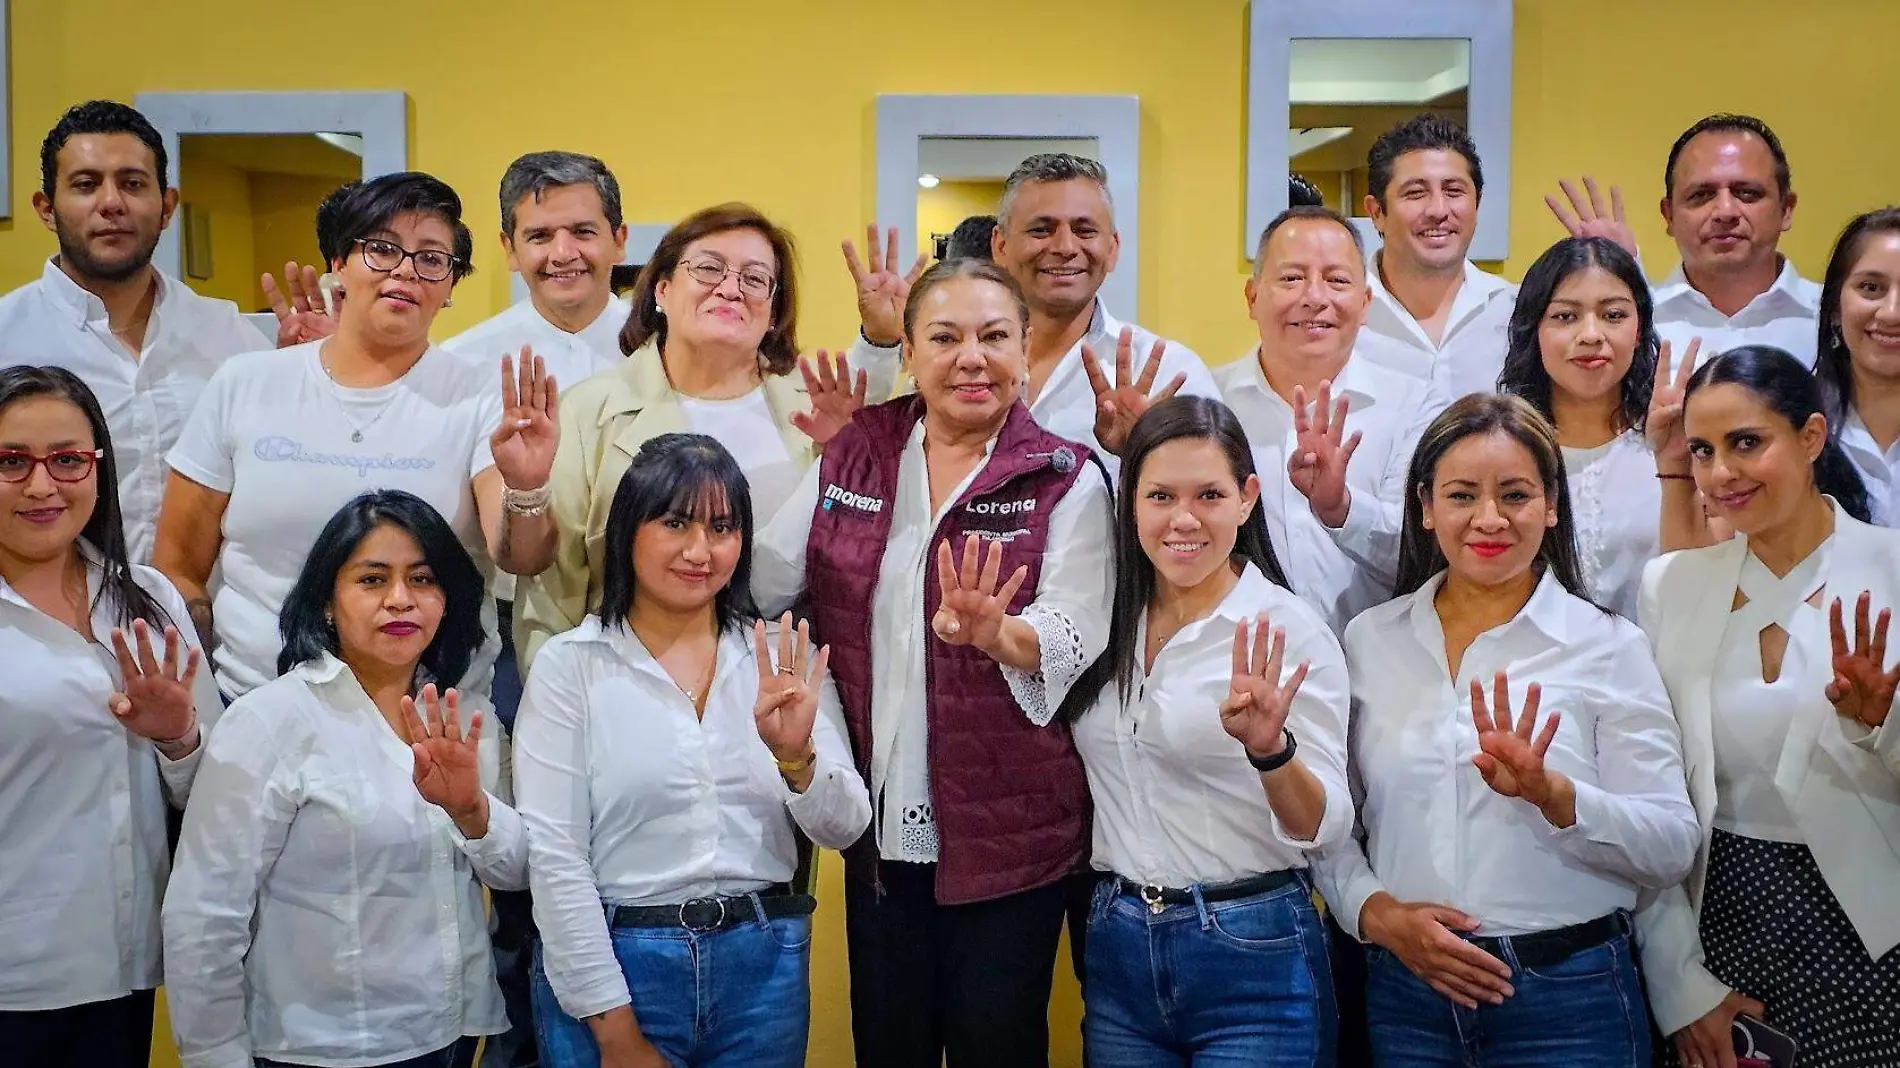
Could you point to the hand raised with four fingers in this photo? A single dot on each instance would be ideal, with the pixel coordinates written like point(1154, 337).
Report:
point(881, 290)
point(1511, 760)
point(523, 444)
point(972, 608)
point(1323, 451)
point(1587, 216)
point(298, 305)
point(1862, 688)
point(1255, 710)
point(1120, 403)
point(1663, 427)
point(787, 705)
point(155, 701)
point(448, 768)
point(835, 395)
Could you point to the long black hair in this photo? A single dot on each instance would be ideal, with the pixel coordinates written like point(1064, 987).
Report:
point(1420, 556)
point(1175, 419)
point(1833, 364)
point(1779, 381)
point(686, 476)
point(1524, 373)
point(105, 528)
point(303, 622)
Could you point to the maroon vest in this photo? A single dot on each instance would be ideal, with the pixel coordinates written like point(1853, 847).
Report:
point(1010, 798)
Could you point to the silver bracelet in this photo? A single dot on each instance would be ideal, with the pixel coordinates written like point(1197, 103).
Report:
point(526, 502)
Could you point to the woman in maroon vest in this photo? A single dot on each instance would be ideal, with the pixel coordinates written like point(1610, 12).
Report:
point(955, 556)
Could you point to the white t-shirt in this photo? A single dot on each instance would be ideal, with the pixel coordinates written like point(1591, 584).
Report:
point(744, 426)
point(276, 435)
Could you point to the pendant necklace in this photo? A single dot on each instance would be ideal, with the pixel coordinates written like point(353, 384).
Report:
point(356, 429)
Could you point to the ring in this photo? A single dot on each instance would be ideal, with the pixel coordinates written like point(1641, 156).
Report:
point(788, 671)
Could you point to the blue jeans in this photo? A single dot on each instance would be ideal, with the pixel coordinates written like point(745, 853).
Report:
point(1586, 1011)
point(1242, 982)
point(734, 998)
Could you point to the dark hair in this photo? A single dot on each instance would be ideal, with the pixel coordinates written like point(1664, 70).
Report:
point(1305, 211)
point(330, 243)
point(1524, 373)
point(1054, 167)
point(536, 173)
point(105, 529)
point(951, 270)
point(1724, 122)
point(366, 208)
point(1479, 414)
point(971, 239)
point(1833, 364)
point(778, 349)
point(303, 622)
point(1780, 381)
point(99, 117)
point(1301, 193)
point(1175, 419)
point(684, 475)
point(1420, 133)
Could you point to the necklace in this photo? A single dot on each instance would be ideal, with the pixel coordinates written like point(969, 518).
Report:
point(356, 428)
point(700, 690)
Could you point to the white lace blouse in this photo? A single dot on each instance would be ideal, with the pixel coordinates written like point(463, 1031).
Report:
point(1616, 507)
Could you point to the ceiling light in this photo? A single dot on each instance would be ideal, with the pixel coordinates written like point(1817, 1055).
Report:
point(928, 181)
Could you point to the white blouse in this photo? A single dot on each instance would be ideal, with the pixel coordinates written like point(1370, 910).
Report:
point(322, 912)
point(1436, 833)
point(1074, 597)
point(631, 798)
point(1176, 802)
point(1879, 468)
point(83, 803)
point(1616, 508)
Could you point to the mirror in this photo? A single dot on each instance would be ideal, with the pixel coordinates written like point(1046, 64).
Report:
point(248, 203)
point(958, 177)
point(1342, 93)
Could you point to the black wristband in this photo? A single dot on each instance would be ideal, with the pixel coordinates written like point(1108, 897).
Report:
point(1278, 760)
point(878, 344)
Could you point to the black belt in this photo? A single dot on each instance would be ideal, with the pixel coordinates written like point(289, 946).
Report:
point(1545, 948)
point(706, 914)
point(1159, 897)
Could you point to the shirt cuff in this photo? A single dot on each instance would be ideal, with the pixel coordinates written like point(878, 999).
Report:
point(504, 830)
point(177, 774)
point(1040, 693)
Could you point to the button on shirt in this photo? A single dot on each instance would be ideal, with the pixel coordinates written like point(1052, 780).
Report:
point(84, 834)
point(632, 798)
point(1879, 468)
point(322, 912)
point(1783, 316)
point(1470, 352)
point(146, 398)
point(1176, 802)
point(1436, 833)
point(1340, 572)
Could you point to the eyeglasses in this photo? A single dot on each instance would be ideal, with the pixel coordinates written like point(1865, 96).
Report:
point(432, 265)
point(64, 465)
point(754, 282)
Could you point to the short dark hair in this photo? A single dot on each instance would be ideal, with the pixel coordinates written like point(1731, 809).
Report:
point(971, 239)
point(537, 172)
point(99, 117)
point(1301, 193)
point(330, 243)
point(363, 209)
point(685, 476)
point(1833, 364)
point(778, 349)
point(1725, 122)
point(1053, 167)
point(1305, 211)
point(303, 622)
point(1420, 133)
point(1782, 383)
point(951, 270)
point(1524, 374)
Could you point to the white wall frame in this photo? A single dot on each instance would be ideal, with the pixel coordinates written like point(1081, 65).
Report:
point(1114, 122)
point(642, 239)
point(1276, 23)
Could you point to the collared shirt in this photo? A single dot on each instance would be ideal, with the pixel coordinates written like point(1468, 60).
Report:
point(1436, 833)
point(322, 912)
point(1176, 802)
point(1470, 352)
point(1784, 315)
point(632, 799)
point(1616, 508)
point(1340, 572)
point(84, 833)
point(146, 398)
point(1074, 596)
point(1879, 468)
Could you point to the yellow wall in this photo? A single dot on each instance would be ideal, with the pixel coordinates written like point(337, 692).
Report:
point(939, 210)
point(224, 193)
point(282, 209)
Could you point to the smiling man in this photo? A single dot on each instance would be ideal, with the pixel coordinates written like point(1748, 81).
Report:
point(140, 339)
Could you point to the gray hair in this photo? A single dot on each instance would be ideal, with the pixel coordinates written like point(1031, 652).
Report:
point(1053, 167)
point(538, 172)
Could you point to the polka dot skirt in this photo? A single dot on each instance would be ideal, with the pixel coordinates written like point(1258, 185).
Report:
point(1772, 929)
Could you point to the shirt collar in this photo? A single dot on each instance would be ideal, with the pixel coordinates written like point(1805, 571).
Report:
point(1478, 289)
point(1551, 611)
point(735, 649)
point(603, 330)
point(1359, 380)
point(1788, 285)
point(81, 304)
point(95, 575)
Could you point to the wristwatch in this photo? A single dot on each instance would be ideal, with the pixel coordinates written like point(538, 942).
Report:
point(1278, 760)
point(793, 767)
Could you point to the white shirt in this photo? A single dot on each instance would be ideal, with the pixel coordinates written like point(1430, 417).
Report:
point(146, 398)
point(274, 433)
point(1879, 468)
point(1176, 802)
point(1074, 596)
point(1616, 508)
point(1783, 316)
point(632, 799)
point(84, 833)
point(322, 912)
point(1436, 833)
point(744, 425)
point(570, 358)
point(1340, 572)
point(1470, 352)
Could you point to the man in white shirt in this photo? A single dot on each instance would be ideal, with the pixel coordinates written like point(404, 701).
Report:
point(141, 340)
point(1434, 314)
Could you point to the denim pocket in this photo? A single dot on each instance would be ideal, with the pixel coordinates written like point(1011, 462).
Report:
point(1594, 963)
point(1261, 924)
point(792, 933)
